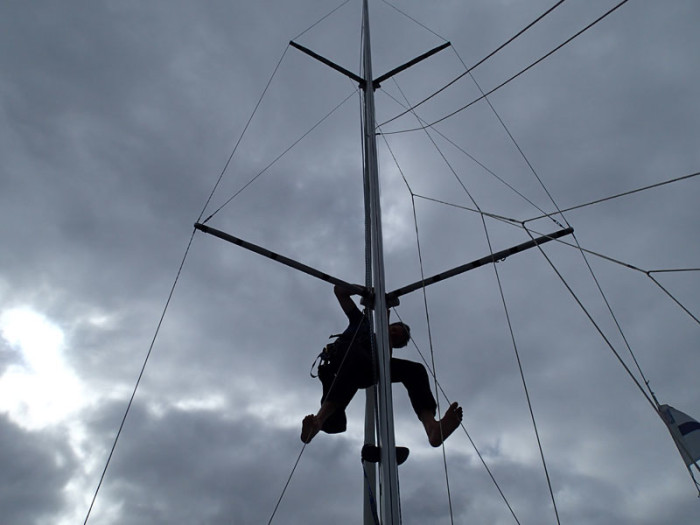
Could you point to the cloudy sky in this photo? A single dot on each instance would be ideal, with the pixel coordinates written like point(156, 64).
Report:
point(119, 117)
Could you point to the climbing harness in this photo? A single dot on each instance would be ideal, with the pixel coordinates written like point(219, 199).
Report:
point(327, 360)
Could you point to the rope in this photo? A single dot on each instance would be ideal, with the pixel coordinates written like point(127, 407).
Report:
point(365, 315)
point(138, 380)
point(502, 84)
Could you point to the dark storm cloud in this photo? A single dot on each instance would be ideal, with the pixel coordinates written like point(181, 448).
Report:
point(37, 467)
point(184, 466)
point(117, 120)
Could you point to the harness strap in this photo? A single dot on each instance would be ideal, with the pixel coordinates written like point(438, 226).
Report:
point(321, 359)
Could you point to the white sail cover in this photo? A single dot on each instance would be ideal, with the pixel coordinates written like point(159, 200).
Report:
point(685, 431)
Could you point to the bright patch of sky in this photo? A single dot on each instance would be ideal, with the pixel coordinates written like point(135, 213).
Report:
point(41, 389)
point(397, 223)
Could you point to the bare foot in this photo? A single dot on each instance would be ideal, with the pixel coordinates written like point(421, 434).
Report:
point(310, 426)
point(440, 430)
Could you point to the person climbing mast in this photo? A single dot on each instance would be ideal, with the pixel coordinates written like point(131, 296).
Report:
point(349, 365)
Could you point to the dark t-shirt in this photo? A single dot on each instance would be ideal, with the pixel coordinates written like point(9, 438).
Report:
point(357, 336)
point(352, 359)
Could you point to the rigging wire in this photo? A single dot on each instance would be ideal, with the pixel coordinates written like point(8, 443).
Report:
point(600, 331)
point(427, 317)
point(416, 225)
point(576, 246)
point(515, 142)
point(504, 83)
point(602, 293)
point(559, 212)
point(138, 380)
point(289, 479)
point(464, 429)
point(617, 324)
point(583, 255)
point(675, 270)
point(515, 346)
point(319, 21)
point(517, 222)
point(415, 21)
point(476, 161)
point(432, 358)
point(507, 220)
point(632, 267)
point(648, 273)
point(651, 186)
point(276, 159)
point(527, 392)
point(499, 48)
point(330, 389)
point(250, 119)
point(657, 283)
point(177, 278)
point(240, 138)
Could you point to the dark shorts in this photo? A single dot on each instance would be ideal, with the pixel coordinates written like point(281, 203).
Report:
point(357, 371)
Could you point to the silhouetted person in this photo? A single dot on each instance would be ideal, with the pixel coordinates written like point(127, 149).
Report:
point(351, 367)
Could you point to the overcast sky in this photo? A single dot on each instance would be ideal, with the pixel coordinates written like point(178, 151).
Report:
point(117, 119)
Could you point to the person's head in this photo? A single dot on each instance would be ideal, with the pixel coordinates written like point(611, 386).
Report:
point(399, 335)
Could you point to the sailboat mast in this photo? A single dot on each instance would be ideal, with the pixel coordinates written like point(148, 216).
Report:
point(388, 471)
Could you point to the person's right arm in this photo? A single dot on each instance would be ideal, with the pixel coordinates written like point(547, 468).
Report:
point(343, 294)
